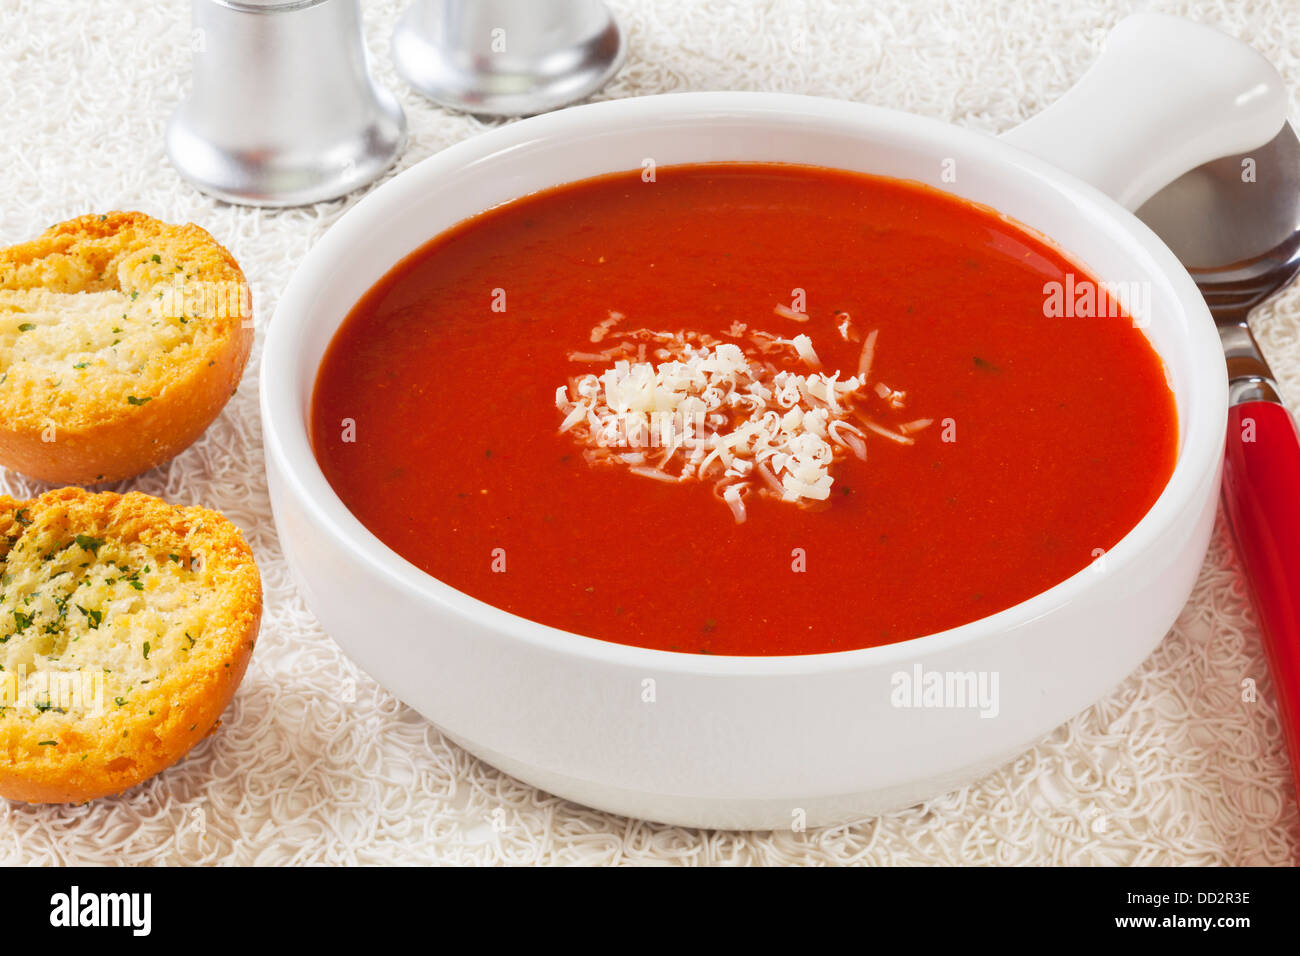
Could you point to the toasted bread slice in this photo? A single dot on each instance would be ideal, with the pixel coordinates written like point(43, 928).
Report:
point(125, 626)
point(121, 339)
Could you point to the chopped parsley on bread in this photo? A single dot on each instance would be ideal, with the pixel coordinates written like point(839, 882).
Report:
point(121, 339)
point(126, 625)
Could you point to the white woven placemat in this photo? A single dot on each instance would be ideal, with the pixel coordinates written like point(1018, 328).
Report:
point(316, 764)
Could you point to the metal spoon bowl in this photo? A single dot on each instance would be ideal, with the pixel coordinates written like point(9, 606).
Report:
point(1235, 224)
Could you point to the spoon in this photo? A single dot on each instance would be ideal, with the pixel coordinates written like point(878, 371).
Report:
point(1235, 224)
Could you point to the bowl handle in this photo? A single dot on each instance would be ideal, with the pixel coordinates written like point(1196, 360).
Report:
point(1165, 96)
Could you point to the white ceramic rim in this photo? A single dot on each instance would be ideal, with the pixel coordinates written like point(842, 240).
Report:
point(285, 429)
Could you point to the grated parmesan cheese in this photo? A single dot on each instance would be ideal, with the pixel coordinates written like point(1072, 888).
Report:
point(710, 410)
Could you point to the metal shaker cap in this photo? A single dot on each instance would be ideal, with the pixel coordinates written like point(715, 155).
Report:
point(284, 109)
point(507, 57)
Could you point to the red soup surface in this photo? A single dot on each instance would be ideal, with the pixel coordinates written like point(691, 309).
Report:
point(1037, 440)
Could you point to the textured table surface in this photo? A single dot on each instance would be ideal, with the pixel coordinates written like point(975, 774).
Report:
point(316, 764)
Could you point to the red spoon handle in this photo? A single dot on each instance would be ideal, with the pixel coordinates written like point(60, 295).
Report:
point(1261, 495)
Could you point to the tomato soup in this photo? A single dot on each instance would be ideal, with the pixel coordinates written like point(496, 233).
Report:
point(914, 436)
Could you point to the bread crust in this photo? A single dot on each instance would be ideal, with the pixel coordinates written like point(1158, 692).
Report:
point(97, 441)
point(108, 752)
